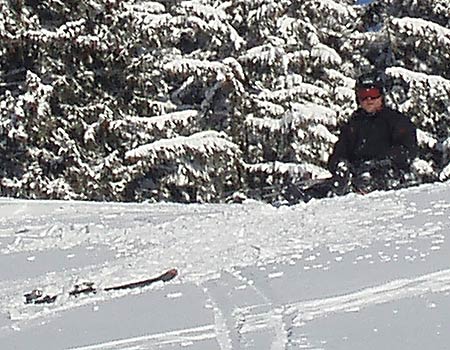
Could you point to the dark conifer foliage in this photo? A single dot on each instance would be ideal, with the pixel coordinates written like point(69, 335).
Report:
point(194, 100)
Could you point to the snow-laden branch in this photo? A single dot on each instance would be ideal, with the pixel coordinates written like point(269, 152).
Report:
point(424, 29)
point(67, 31)
point(417, 78)
point(340, 79)
point(424, 139)
point(266, 55)
point(336, 7)
point(206, 12)
point(152, 7)
point(166, 120)
point(331, 10)
point(294, 93)
point(321, 132)
point(189, 67)
point(296, 170)
point(206, 143)
point(445, 173)
point(290, 28)
point(153, 20)
point(313, 114)
point(299, 115)
point(326, 55)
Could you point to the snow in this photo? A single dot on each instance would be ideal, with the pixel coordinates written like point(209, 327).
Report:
point(300, 114)
point(418, 78)
point(445, 173)
point(313, 112)
point(355, 272)
point(304, 89)
point(339, 10)
point(420, 27)
point(160, 122)
point(267, 53)
point(186, 66)
point(204, 142)
point(326, 55)
point(305, 170)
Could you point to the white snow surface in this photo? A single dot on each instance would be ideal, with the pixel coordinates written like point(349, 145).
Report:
point(354, 272)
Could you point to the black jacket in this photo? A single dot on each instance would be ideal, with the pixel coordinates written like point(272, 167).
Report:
point(385, 134)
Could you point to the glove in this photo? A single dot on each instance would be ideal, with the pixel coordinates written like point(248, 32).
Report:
point(342, 169)
point(399, 157)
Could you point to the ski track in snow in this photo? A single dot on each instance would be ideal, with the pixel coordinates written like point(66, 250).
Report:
point(262, 273)
point(184, 336)
point(304, 311)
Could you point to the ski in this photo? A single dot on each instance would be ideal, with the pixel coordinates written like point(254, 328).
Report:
point(37, 296)
point(164, 277)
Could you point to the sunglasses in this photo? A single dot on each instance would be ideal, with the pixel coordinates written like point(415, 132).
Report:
point(369, 98)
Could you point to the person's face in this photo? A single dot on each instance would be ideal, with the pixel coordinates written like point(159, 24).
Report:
point(371, 104)
point(371, 99)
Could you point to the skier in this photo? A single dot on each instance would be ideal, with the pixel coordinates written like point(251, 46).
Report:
point(376, 146)
point(374, 150)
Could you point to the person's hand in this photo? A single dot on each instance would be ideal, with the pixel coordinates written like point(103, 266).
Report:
point(342, 168)
point(399, 157)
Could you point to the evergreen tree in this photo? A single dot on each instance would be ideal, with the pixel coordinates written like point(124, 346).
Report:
point(194, 100)
point(415, 39)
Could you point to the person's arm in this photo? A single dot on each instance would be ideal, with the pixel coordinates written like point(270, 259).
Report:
point(404, 141)
point(341, 150)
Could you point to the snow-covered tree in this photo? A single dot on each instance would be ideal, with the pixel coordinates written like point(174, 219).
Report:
point(414, 37)
point(194, 100)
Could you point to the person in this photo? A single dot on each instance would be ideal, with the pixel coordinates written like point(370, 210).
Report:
point(377, 141)
point(374, 150)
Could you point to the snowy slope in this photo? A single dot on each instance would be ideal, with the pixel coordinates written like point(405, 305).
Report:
point(356, 272)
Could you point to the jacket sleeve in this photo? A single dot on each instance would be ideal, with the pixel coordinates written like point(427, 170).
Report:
point(342, 148)
point(404, 141)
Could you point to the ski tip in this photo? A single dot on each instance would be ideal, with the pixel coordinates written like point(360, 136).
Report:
point(169, 275)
